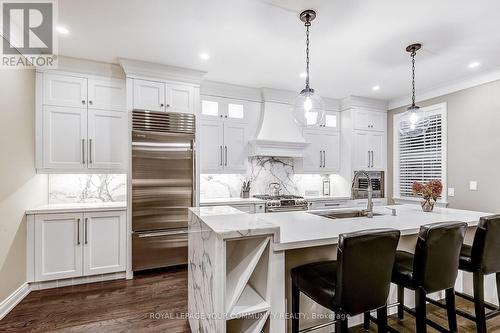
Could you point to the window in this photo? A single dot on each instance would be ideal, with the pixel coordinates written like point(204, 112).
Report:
point(421, 158)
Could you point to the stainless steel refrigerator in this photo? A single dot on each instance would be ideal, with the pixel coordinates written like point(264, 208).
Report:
point(163, 187)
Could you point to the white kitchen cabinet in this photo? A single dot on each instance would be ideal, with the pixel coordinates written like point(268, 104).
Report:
point(180, 98)
point(64, 90)
point(223, 136)
point(106, 94)
point(369, 151)
point(106, 139)
point(331, 151)
point(322, 155)
point(149, 95)
point(104, 241)
point(210, 144)
point(369, 120)
point(235, 146)
point(58, 246)
point(70, 245)
point(64, 138)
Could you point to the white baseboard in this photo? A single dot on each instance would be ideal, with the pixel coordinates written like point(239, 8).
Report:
point(13, 299)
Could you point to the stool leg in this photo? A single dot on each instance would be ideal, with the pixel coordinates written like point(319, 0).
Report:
point(479, 302)
point(344, 325)
point(295, 308)
point(450, 308)
point(382, 320)
point(338, 322)
point(366, 321)
point(401, 301)
point(420, 311)
point(498, 288)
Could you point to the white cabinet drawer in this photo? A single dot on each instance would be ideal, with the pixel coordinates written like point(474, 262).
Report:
point(327, 204)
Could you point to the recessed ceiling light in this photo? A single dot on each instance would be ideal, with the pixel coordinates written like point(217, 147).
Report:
point(62, 30)
point(303, 75)
point(474, 64)
point(375, 88)
point(204, 56)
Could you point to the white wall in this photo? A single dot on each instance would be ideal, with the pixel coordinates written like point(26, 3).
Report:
point(20, 187)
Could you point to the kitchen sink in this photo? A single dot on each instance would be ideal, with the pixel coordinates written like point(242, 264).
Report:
point(342, 214)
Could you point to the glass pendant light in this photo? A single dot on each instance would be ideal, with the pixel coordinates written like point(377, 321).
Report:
point(414, 121)
point(308, 108)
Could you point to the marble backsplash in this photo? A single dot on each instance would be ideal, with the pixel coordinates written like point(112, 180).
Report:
point(80, 188)
point(261, 172)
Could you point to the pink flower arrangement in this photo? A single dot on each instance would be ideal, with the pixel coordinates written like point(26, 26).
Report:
point(431, 190)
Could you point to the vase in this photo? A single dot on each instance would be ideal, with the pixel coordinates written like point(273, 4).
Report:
point(427, 205)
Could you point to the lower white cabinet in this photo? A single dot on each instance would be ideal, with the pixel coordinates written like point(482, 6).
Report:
point(68, 245)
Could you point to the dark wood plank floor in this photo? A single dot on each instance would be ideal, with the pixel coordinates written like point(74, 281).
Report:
point(127, 305)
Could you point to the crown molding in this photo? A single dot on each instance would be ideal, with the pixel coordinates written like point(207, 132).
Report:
point(363, 102)
point(447, 88)
point(85, 66)
point(141, 69)
point(226, 90)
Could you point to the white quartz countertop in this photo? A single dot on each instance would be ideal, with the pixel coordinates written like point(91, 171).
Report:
point(229, 201)
point(294, 230)
point(78, 207)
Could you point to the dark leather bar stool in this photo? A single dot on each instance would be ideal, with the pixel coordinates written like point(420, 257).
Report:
point(480, 259)
point(433, 267)
point(358, 281)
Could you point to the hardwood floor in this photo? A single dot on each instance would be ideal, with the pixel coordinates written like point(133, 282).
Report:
point(128, 305)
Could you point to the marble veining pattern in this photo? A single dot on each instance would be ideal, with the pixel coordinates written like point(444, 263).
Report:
point(87, 188)
point(262, 171)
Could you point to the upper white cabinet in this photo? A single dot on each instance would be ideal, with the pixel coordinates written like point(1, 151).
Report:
point(64, 90)
point(163, 96)
point(322, 155)
point(81, 123)
point(369, 120)
point(149, 95)
point(106, 145)
point(64, 137)
point(69, 245)
point(369, 151)
point(223, 135)
point(106, 94)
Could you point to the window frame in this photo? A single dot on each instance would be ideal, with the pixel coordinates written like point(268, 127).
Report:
point(442, 109)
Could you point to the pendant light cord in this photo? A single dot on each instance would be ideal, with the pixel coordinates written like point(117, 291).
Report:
point(413, 77)
point(307, 24)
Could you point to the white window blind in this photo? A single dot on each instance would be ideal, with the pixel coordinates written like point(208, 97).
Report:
point(421, 158)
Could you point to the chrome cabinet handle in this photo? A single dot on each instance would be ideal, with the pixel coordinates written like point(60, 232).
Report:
point(83, 151)
point(90, 151)
point(78, 232)
point(320, 158)
point(225, 158)
point(369, 158)
point(90, 102)
point(324, 159)
point(86, 224)
point(83, 101)
point(221, 158)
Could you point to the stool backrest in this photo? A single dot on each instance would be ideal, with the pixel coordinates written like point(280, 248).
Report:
point(486, 247)
point(435, 265)
point(364, 265)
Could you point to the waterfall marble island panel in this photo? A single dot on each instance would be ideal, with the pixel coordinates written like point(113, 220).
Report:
point(239, 263)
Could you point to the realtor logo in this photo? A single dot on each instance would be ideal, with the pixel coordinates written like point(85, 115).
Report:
point(28, 34)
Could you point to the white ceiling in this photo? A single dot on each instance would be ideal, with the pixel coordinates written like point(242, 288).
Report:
point(355, 44)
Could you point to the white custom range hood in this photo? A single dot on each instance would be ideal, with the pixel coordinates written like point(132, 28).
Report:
point(279, 135)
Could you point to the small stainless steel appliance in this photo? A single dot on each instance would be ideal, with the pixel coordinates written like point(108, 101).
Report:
point(163, 187)
point(283, 203)
point(360, 186)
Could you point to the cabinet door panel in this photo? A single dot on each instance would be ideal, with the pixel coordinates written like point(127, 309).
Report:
point(107, 94)
point(180, 98)
point(149, 95)
point(107, 139)
point(210, 144)
point(104, 242)
point(331, 148)
point(361, 150)
point(58, 246)
point(377, 150)
point(64, 90)
point(64, 138)
point(312, 154)
point(235, 146)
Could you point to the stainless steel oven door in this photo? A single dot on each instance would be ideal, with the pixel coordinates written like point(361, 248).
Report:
point(285, 209)
point(159, 249)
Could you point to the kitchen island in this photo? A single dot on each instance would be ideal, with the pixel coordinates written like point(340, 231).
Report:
point(239, 263)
